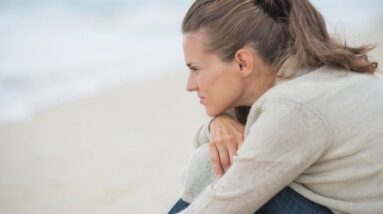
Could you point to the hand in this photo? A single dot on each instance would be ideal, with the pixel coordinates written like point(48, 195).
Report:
point(226, 136)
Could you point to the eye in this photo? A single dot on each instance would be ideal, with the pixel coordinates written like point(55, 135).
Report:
point(193, 69)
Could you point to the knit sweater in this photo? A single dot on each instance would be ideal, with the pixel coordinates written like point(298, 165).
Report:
point(319, 133)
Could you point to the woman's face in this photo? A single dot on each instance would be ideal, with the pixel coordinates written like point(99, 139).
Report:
point(217, 83)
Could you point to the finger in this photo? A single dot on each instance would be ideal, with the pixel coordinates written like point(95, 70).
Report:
point(240, 139)
point(215, 159)
point(223, 156)
point(232, 149)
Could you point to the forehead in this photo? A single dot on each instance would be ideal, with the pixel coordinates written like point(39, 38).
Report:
point(195, 49)
point(195, 41)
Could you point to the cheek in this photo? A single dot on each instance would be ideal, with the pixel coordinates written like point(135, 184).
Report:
point(207, 83)
point(225, 94)
point(230, 91)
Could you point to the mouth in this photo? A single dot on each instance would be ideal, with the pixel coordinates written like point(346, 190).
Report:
point(201, 99)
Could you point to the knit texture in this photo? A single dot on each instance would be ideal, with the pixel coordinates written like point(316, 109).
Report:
point(320, 133)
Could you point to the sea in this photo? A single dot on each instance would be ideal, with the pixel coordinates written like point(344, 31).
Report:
point(56, 51)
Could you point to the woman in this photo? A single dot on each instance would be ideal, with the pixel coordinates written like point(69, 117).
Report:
point(313, 138)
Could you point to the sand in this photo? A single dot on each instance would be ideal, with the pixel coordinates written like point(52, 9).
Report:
point(117, 152)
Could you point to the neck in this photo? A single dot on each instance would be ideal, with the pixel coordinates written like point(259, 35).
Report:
point(257, 84)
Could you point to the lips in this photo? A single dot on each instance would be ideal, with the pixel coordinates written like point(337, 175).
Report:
point(201, 99)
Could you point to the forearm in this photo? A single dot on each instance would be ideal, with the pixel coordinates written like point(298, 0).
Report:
point(199, 173)
point(268, 160)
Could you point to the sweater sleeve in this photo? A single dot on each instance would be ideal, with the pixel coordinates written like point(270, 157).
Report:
point(201, 138)
point(284, 140)
point(202, 135)
point(199, 173)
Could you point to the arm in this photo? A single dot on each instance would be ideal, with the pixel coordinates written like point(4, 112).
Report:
point(201, 138)
point(222, 132)
point(198, 173)
point(282, 142)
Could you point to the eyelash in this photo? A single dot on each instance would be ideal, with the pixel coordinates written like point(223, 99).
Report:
point(193, 69)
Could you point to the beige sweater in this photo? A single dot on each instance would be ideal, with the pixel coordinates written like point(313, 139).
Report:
point(320, 133)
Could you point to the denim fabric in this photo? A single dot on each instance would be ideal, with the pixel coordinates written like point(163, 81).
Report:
point(178, 207)
point(286, 201)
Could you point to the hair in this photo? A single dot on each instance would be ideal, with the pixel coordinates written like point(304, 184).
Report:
point(277, 30)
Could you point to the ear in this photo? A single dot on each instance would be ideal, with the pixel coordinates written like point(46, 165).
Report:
point(244, 58)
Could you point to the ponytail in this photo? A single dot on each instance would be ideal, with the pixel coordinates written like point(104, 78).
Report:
point(309, 42)
point(312, 46)
point(278, 30)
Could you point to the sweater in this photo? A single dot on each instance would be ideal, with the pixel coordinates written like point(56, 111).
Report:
point(319, 133)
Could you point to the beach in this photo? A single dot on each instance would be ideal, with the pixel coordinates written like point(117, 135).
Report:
point(116, 152)
point(94, 112)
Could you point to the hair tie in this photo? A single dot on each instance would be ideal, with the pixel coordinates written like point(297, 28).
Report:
point(279, 10)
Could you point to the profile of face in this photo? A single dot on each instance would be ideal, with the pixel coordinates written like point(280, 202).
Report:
point(222, 85)
point(217, 83)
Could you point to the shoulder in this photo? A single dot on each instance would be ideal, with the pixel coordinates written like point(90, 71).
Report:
point(279, 124)
point(275, 108)
point(325, 88)
point(324, 82)
point(281, 114)
point(319, 95)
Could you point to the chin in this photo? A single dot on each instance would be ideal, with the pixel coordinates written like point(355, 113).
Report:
point(214, 112)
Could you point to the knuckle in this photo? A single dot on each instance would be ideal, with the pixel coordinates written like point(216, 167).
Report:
point(220, 138)
point(216, 166)
point(225, 168)
point(212, 141)
point(229, 138)
point(211, 145)
point(225, 162)
point(214, 158)
point(218, 141)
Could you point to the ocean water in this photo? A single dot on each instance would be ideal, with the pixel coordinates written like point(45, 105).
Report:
point(54, 51)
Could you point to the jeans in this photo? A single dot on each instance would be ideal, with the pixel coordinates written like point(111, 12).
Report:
point(286, 201)
point(179, 206)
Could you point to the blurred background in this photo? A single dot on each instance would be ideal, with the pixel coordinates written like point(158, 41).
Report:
point(94, 115)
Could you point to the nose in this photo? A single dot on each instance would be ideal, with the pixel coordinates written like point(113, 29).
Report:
point(191, 84)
